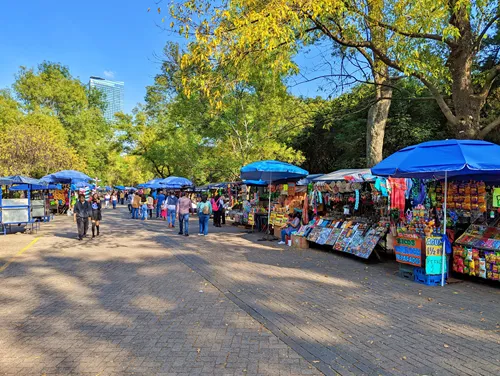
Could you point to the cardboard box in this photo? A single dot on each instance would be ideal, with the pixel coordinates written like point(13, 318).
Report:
point(299, 242)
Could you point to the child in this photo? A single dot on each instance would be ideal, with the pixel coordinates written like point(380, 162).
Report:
point(164, 207)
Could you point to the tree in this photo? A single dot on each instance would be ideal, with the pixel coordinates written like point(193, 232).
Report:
point(436, 42)
point(50, 89)
point(35, 145)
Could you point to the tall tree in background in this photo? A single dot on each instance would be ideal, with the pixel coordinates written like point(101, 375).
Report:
point(436, 42)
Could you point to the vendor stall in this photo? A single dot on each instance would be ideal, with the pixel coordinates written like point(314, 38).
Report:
point(422, 237)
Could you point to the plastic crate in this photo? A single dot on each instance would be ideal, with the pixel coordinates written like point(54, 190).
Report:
point(406, 271)
point(429, 280)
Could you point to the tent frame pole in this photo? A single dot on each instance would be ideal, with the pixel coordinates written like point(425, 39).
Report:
point(443, 256)
point(269, 207)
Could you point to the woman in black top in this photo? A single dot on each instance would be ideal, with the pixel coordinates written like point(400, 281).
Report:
point(96, 213)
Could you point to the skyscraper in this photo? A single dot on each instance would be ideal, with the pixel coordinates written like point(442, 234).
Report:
point(113, 92)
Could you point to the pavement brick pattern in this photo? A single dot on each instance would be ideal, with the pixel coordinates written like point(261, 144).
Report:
point(144, 300)
point(124, 305)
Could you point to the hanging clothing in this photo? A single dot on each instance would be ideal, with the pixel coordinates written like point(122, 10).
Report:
point(381, 186)
point(398, 190)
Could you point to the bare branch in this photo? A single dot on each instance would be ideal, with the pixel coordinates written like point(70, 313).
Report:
point(490, 127)
point(491, 76)
point(477, 44)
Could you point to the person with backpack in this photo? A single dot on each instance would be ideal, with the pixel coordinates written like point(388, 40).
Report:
point(204, 209)
point(217, 209)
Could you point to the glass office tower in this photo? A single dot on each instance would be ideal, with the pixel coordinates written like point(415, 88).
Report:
point(113, 91)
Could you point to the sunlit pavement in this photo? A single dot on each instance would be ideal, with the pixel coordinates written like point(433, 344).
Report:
point(143, 300)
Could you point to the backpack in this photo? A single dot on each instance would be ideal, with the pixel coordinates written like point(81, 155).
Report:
point(206, 209)
point(215, 205)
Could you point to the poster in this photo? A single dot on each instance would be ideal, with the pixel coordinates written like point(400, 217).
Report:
point(408, 250)
point(496, 198)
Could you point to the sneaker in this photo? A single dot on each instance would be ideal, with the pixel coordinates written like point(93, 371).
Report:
point(180, 233)
point(186, 234)
point(200, 234)
point(281, 243)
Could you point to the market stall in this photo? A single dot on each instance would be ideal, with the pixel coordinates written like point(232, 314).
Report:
point(18, 210)
point(422, 239)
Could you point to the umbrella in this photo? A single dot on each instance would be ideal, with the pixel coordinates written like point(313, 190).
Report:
point(340, 175)
point(176, 182)
point(34, 187)
point(269, 170)
point(66, 177)
point(120, 187)
point(258, 183)
point(444, 158)
point(82, 184)
point(272, 171)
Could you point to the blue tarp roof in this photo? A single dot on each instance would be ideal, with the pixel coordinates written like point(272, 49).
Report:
point(35, 187)
point(19, 179)
point(272, 171)
point(459, 158)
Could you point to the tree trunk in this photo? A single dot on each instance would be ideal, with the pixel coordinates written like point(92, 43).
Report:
point(375, 125)
point(378, 113)
point(467, 104)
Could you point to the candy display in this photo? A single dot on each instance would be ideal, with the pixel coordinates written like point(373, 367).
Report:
point(476, 262)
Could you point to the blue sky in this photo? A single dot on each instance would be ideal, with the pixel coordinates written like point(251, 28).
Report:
point(114, 38)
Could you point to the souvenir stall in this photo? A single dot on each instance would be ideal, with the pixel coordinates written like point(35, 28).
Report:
point(63, 198)
point(250, 209)
point(40, 199)
point(272, 172)
point(444, 207)
point(342, 204)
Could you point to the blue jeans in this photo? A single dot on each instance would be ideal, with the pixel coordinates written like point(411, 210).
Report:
point(114, 204)
point(184, 223)
point(204, 223)
point(285, 232)
point(144, 212)
point(135, 213)
point(158, 209)
point(171, 217)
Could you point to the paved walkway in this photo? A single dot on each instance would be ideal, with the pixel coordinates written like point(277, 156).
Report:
point(143, 300)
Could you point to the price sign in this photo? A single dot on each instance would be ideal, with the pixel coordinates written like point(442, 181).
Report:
point(408, 250)
point(433, 265)
point(433, 246)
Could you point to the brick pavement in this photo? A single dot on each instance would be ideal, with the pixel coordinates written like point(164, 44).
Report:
point(124, 305)
point(349, 317)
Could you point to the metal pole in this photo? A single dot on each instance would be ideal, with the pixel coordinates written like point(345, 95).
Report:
point(269, 208)
point(443, 257)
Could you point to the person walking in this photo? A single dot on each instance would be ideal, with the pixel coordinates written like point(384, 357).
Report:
point(151, 206)
point(164, 210)
point(107, 198)
point(222, 206)
point(216, 201)
point(171, 208)
point(184, 209)
point(136, 203)
point(114, 199)
point(144, 207)
point(130, 199)
point(204, 209)
point(159, 203)
point(82, 212)
point(96, 215)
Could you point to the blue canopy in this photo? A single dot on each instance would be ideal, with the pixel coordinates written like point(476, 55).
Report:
point(465, 158)
point(19, 179)
point(5, 181)
point(272, 171)
point(176, 182)
point(66, 177)
point(119, 187)
point(34, 187)
point(82, 184)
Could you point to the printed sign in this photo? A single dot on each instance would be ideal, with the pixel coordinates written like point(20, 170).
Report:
point(408, 251)
point(433, 265)
point(433, 246)
point(496, 198)
point(251, 219)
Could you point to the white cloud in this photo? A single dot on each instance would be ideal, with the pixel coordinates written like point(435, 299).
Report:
point(109, 74)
